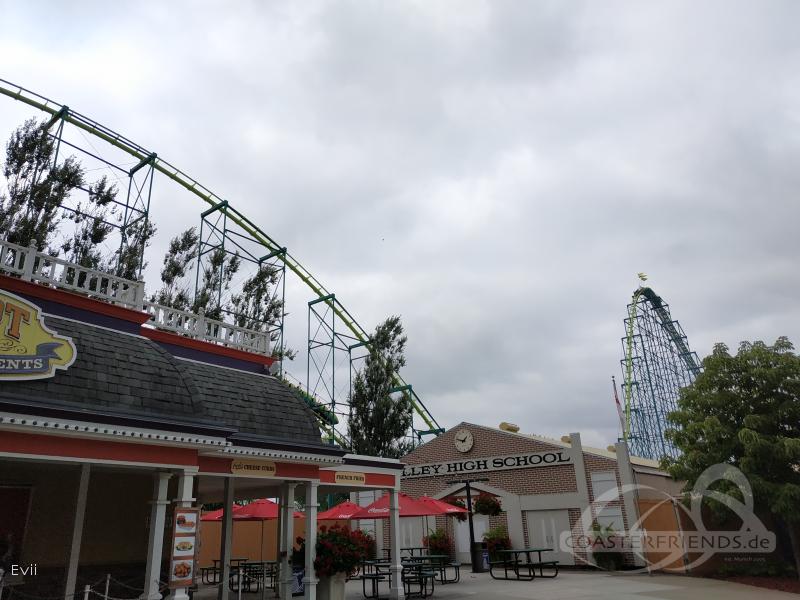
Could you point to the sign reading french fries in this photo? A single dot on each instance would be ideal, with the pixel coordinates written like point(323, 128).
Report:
point(184, 547)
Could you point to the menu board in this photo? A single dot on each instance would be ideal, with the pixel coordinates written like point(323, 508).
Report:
point(184, 547)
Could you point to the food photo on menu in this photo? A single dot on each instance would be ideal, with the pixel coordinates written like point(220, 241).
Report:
point(184, 546)
point(186, 522)
point(181, 569)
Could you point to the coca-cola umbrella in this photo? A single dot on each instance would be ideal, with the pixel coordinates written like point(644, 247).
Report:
point(444, 508)
point(344, 510)
point(408, 508)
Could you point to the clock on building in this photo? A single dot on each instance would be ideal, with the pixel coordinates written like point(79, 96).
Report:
point(464, 440)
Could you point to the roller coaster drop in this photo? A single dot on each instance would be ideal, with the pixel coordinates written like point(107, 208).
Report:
point(656, 363)
point(336, 342)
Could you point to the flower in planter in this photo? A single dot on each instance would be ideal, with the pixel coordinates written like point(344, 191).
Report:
point(496, 539)
point(340, 550)
point(438, 542)
point(486, 504)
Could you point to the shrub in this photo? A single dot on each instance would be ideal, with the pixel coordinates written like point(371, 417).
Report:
point(438, 542)
point(605, 538)
point(340, 550)
point(496, 539)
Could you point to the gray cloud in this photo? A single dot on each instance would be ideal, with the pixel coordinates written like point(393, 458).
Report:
point(496, 172)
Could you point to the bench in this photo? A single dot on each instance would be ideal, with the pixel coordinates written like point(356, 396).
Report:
point(414, 576)
point(374, 579)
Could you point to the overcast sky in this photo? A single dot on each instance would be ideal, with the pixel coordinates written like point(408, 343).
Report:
point(495, 172)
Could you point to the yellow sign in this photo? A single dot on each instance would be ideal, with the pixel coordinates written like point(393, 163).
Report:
point(254, 468)
point(345, 478)
point(28, 348)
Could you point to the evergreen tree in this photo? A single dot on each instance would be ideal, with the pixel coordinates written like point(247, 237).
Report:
point(178, 262)
point(378, 422)
point(36, 187)
point(744, 410)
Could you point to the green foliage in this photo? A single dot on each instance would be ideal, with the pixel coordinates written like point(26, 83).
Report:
point(496, 539)
point(604, 544)
point(34, 208)
point(486, 504)
point(744, 410)
point(178, 262)
point(217, 274)
point(438, 542)
point(36, 188)
point(378, 422)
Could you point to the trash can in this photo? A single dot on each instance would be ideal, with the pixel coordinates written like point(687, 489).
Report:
point(480, 557)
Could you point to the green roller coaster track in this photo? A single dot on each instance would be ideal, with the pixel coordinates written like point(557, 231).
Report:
point(57, 110)
point(668, 325)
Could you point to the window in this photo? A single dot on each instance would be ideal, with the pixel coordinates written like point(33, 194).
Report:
point(611, 517)
point(603, 483)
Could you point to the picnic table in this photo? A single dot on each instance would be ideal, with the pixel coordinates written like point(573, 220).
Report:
point(522, 570)
point(415, 550)
point(419, 574)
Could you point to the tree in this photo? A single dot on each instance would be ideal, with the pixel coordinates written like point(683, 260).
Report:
point(744, 410)
point(378, 422)
point(178, 261)
point(34, 207)
point(36, 187)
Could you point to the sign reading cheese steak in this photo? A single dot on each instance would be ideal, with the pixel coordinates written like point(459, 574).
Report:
point(494, 463)
point(346, 478)
point(28, 348)
point(254, 468)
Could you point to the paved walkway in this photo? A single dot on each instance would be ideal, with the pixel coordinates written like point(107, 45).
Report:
point(597, 586)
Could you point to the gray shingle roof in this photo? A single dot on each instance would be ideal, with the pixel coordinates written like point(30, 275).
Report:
point(253, 404)
point(134, 375)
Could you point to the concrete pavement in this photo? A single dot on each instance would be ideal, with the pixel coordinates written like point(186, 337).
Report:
point(597, 586)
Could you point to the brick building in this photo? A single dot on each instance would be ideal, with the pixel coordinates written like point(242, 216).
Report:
point(547, 487)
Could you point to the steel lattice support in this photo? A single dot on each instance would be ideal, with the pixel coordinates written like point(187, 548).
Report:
point(133, 212)
point(219, 233)
point(657, 363)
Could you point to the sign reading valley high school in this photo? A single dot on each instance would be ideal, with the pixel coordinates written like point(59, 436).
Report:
point(494, 463)
point(28, 348)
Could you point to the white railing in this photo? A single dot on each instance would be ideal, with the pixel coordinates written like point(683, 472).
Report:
point(40, 267)
point(197, 326)
point(31, 265)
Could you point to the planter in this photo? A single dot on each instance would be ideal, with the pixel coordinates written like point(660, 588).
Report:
point(331, 588)
point(298, 588)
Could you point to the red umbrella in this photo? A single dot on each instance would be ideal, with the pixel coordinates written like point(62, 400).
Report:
point(216, 515)
point(345, 510)
point(260, 510)
point(408, 508)
point(444, 508)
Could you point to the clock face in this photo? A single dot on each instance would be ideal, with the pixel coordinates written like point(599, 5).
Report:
point(464, 440)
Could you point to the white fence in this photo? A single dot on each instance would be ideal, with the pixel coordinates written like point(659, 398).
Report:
point(31, 265)
point(40, 267)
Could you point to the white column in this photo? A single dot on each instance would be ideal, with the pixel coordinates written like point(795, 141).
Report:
point(396, 587)
point(279, 542)
point(225, 540)
point(77, 530)
point(155, 537)
point(629, 496)
point(184, 499)
point(310, 579)
point(287, 540)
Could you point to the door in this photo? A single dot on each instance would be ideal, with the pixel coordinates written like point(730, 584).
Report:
point(544, 531)
point(480, 524)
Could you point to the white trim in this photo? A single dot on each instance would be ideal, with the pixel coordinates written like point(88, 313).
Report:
point(83, 429)
point(95, 461)
point(291, 457)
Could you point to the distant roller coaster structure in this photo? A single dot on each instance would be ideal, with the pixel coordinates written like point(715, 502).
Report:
point(657, 362)
point(336, 341)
